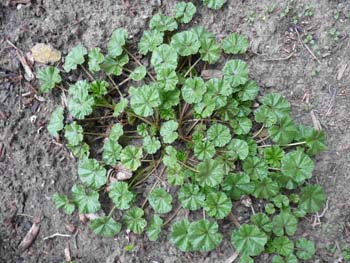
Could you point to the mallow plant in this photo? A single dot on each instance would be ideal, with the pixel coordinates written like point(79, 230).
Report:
point(174, 131)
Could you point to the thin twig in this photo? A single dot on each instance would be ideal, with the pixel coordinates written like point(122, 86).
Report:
point(173, 215)
point(259, 131)
point(280, 59)
point(234, 220)
point(190, 69)
point(115, 86)
point(138, 62)
point(56, 235)
point(306, 46)
point(87, 72)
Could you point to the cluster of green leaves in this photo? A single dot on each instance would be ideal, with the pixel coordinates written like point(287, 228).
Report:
point(202, 132)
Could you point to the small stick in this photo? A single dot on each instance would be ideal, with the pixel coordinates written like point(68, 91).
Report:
point(280, 59)
point(259, 131)
point(56, 235)
point(190, 69)
point(115, 86)
point(234, 220)
point(173, 215)
point(307, 47)
point(87, 73)
point(232, 258)
point(138, 62)
point(31, 235)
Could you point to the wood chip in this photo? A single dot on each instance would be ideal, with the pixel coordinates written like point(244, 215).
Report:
point(341, 71)
point(2, 152)
point(45, 54)
point(31, 235)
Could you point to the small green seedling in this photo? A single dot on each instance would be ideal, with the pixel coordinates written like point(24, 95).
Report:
point(197, 142)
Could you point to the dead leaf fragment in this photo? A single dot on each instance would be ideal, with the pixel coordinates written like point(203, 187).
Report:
point(123, 173)
point(211, 73)
point(45, 54)
point(2, 152)
point(31, 235)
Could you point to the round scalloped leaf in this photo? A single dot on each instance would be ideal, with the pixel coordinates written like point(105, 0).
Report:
point(49, 77)
point(297, 165)
point(111, 151)
point(238, 149)
point(241, 125)
point(236, 72)
point(160, 201)
point(305, 249)
point(214, 4)
point(210, 173)
point(162, 23)
point(139, 73)
point(255, 167)
point(120, 107)
point(56, 121)
point(209, 50)
point(249, 240)
point(219, 134)
point(80, 151)
point(283, 245)
point(204, 150)
point(204, 235)
point(164, 57)
point(312, 198)
point(284, 223)
point(99, 88)
point(96, 58)
point(263, 115)
point(248, 91)
point(217, 205)
point(144, 99)
point(134, 220)
point(92, 173)
point(235, 44)
point(168, 131)
point(62, 201)
point(149, 41)
point(86, 202)
point(105, 226)
point(154, 228)
point(114, 66)
point(184, 12)
point(262, 221)
point(179, 235)
point(80, 102)
point(277, 105)
point(117, 41)
point(116, 131)
point(74, 58)
point(191, 197)
point(151, 144)
point(131, 157)
point(236, 185)
point(185, 43)
point(167, 79)
point(193, 90)
point(283, 131)
point(265, 188)
point(120, 194)
point(73, 132)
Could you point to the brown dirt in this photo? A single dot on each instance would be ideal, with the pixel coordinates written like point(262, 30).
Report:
point(34, 167)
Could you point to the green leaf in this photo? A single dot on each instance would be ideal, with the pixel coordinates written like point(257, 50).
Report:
point(262, 221)
point(80, 102)
point(95, 59)
point(150, 40)
point(164, 57)
point(167, 79)
point(273, 155)
point(49, 77)
point(305, 249)
point(191, 197)
point(214, 4)
point(56, 121)
point(130, 157)
point(277, 105)
point(209, 50)
point(184, 12)
point(219, 134)
point(154, 228)
point(177, 175)
point(297, 166)
point(179, 235)
point(236, 72)
point(281, 201)
point(144, 99)
point(218, 91)
point(255, 167)
point(73, 132)
point(193, 90)
point(210, 173)
point(265, 188)
point(160, 201)
point(283, 131)
point(80, 151)
point(120, 194)
point(265, 116)
point(134, 220)
point(170, 159)
point(105, 226)
point(238, 149)
point(62, 201)
point(139, 73)
point(162, 23)
point(249, 240)
point(120, 107)
point(99, 88)
point(248, 91)
point(74, 58)
point(235, 44)
point(92, 173)
point(116, 132)
point(241, 125)
point(284, 223)
point(114, 66)
point(312, 198)
point(236, 185)
point(218, 205)
point(185, 43)
point(204, 150)
point(117, 42)
point(111, 151)
point(204, 235)
point(283, 246)
point(86, 202)
point(315, 140)
point(168, 131)
point(151, 144)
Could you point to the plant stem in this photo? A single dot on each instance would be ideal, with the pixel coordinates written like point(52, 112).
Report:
point(188, 167)
point(115, 86)
point(95, 133)
point(109, 106)
point(263, 139)
point(99, 118)
point(274, 169)
point(259, 131)
point(138, 62)
point(124, 81)
point(190, 69)
point(112, 210)
point(191, 128)
point(284, 145)
point(87, 72)
point(172, 216)
point(142, 118)
point(184, 139)
point(234, 220)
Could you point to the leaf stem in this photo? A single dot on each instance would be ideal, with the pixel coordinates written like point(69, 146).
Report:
point(108, 106)
point(172, 216)
point(99, 118)
point(95, 133)
point(112, 210)
point(188, 167)
point(87, 72)
point(142, 118)
point(274, 169)
point(234, 220)
point(124, 81)
point(284, 145)
point(259, 131)
point(138, 62)
point(115, 86)
point(190, 69)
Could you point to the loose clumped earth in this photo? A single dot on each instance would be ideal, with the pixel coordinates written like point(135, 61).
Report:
point(197, 123)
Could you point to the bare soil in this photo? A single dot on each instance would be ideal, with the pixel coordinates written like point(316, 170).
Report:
point(34, 167)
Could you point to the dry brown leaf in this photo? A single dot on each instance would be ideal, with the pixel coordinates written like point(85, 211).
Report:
point(31, 235)
point(45, 54)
